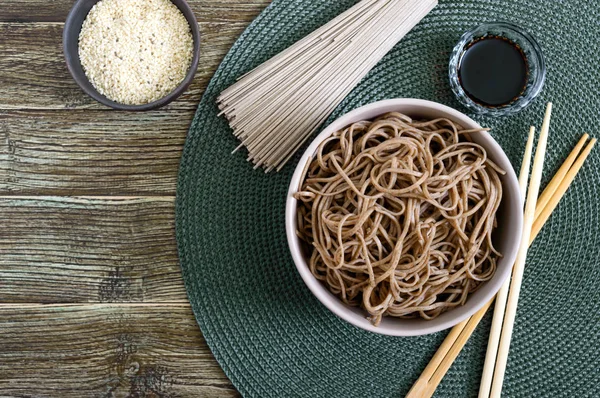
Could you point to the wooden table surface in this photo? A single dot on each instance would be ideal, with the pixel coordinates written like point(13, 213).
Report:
point(92, 302)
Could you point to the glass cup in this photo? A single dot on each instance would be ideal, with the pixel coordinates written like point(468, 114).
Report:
point(533, 55)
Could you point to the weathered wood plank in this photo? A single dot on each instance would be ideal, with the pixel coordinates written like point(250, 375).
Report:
point(34, 74)
point(78, 250)
point(106, 351)
point(95, 152)
point(57, 10)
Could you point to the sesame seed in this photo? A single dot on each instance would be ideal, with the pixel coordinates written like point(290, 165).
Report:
point(115, 31)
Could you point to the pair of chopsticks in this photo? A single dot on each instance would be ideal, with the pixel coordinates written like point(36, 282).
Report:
point(536, 215)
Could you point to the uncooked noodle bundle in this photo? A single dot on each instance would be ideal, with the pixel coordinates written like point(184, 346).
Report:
point(276, 107)
point(399, 216)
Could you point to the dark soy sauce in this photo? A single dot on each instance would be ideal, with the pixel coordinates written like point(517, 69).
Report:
point(493, 71)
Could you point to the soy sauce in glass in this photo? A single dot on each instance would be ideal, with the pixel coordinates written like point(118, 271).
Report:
point(493, 71)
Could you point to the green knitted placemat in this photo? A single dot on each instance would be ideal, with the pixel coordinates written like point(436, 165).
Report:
point(274, 339)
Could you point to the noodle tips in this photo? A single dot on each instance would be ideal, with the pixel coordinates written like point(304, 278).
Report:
point(398, 216)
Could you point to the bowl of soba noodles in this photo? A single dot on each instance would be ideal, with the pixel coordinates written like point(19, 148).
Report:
point(404, 217)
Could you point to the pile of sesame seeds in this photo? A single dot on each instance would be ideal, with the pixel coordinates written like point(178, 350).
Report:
point(135, 51)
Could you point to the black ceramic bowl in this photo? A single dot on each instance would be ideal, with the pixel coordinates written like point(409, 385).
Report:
point(71, 49)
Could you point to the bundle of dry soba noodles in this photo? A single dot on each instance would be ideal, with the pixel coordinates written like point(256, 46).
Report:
point(399, 215)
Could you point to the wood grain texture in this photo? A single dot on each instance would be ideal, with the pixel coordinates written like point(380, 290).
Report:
point(106, 351)
point(57, 10)
point(129, 331)
point(77, 250)
point(54, 140)
point(34, 74)
point(77, 152)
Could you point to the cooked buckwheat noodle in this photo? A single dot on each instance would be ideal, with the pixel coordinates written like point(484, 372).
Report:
point(399, 216)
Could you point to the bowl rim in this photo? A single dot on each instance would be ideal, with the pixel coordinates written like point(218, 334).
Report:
point(68, 30)
point(337, 306)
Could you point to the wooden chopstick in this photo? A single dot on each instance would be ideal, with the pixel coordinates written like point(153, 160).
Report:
point(439, 365)
point(562, 187)
point(423, 387)
point(502, 296)
point(559, 176)
point(517, 279)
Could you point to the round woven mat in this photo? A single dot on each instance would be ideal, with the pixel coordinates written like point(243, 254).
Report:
point(273, 339)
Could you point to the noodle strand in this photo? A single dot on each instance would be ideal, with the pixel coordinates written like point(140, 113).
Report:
point(399, 215)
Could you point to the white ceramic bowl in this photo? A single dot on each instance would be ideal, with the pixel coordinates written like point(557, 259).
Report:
point(506, 237)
